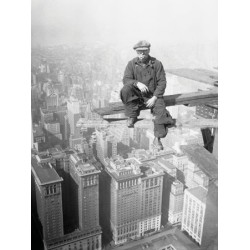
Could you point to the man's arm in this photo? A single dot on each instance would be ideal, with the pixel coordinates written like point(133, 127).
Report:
point(129, 77)
point(160, 81)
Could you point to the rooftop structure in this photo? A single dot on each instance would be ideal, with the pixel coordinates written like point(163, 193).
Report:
point(37, 131)
point(44, 172)
point(142, 155)
point(203, 159)
point(199, 192)
point(172, 239)
point(167, 166)
point(121, 168)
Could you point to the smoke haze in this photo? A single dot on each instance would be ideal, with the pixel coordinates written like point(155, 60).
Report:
point(123, 22)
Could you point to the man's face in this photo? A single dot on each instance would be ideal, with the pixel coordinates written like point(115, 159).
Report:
point(143, 54)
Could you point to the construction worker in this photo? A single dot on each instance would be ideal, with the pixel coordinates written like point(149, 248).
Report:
point(144, 85)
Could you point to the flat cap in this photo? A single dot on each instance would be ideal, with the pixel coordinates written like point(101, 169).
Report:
point(142, 45)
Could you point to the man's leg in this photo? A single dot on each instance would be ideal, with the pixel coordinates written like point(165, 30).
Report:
point(162, 120)
point(132, 100)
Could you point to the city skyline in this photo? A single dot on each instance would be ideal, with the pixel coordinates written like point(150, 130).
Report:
point(64, 121)
point(116, 189)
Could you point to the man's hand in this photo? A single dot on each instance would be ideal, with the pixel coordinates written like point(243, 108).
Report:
point(151, 102)
point(142, 87)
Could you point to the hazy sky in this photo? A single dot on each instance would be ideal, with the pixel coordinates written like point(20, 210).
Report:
point(124, 21)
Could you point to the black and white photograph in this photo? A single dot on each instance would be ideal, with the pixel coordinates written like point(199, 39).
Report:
point(111, 135)
point(124, 125)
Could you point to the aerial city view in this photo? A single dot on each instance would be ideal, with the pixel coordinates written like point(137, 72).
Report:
point(99, 181)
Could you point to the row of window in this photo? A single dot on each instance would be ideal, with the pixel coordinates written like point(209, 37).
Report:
point(52, 189)
point(91, 180)
point(150, 182)
point(128, 183)
point(126, 229)
point(127, 236)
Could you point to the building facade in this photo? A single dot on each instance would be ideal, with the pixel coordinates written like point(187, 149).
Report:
point(176, 202)
point(194, 212)
point(75, 138)
point(49, 199)
point(136, 197)
point(86, 177)
point(151, 199)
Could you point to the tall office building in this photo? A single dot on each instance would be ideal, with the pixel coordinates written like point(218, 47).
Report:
point(84, 198)
point(136, 196)
point(106, 145)
point(52, 100)
point(48, 198)
point(180, 161)
point(60, 76)
point(46, 116)
point(86, 177)
point(176, 202)
point(121, 134)
point(75, 138)
point(125, 196)
point(53, 129)
point(194, 212)
point(170, 176)
point(151, 199)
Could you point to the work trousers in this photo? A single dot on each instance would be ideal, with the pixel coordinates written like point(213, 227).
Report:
point(134, 101)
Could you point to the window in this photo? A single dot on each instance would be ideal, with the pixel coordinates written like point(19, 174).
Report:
point(54, 188)
point(155, 181)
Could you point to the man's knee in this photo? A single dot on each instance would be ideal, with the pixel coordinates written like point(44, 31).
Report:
point(127, 94)
point(160, 130)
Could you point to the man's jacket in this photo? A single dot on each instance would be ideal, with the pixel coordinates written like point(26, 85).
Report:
point(152, 74)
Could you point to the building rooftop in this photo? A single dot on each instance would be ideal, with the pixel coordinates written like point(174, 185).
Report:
point(86, 168)
point(167, 166)
point(52, 122)
point(69, 151)
point(199, 192)
point(165, 163)
point(177, 183)
point(203, 159)
point(201, 174)
point(53, 109)
point(124, 168)
point(43, 156)
point(44, 172)
point(149, 169)
point(172, 239)
point(142, 154)
point(37, 131)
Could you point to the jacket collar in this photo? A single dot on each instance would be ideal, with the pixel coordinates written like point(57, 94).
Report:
point(149, 62)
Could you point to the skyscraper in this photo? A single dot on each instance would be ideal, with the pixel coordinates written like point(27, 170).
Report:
point(194, 212)
point(136, 196)
point(86, 176)
point(125, 195)
point(151, 199)
point(51, 203)
point(48, 198)
point(176, 202)
point(106, 145)
point(75, 138)
point(53, 130)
